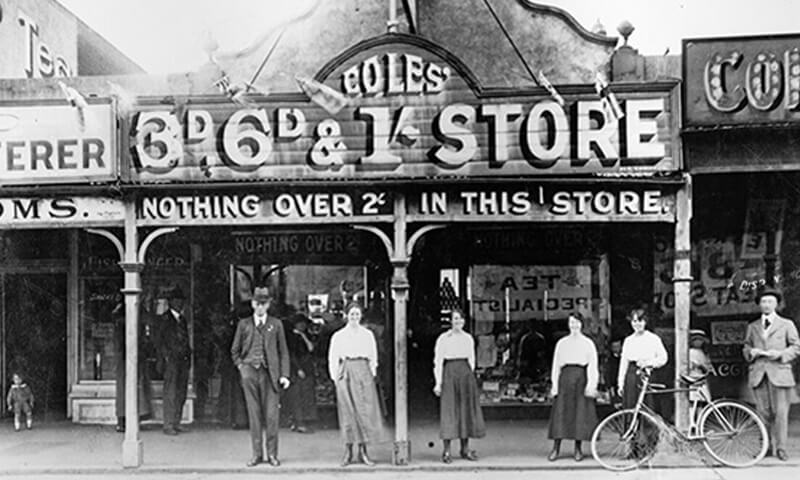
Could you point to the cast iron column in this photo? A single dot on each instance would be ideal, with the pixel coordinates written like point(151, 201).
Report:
point(682, 283)
point(132, 449)
point(401, 454)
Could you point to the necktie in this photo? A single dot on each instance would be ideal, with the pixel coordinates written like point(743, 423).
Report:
point(767, 323)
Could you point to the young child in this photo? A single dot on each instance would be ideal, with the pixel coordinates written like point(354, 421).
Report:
point(20, 400)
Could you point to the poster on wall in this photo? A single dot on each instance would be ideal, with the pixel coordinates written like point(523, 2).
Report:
point(725, 280)
point(763, 216)
point(526, 292)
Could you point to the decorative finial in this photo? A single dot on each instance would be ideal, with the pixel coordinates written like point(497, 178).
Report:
point(599, 28)
point(625, 29)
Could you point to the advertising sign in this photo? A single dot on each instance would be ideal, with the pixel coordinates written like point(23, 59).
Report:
point(530, 292)
point(409, 111)
point(60, 211)
point(742, 80)
point(333, 206)
point(57, 144)
point(543, 203)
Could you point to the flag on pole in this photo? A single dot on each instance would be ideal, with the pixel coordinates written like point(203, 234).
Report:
point(76, 100)
point(543, 81)
point(324, 96)
point(237, 92)
point(611, 106)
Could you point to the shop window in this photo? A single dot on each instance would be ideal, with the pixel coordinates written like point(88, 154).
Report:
point(320, 293)
point(518, 313)
point(34, 245)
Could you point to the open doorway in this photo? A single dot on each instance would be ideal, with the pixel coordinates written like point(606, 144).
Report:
point(34, 336)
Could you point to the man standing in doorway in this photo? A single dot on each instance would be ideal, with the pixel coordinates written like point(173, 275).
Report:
point(176, 353)
point(260, 353)
point(770, 346)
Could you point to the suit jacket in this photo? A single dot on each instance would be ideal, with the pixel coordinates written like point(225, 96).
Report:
point(781, 336)
point(173, 341)
point(275, 346)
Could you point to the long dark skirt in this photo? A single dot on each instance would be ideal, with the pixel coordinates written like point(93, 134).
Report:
point(301, 399)
point(360, 419)
point(630, 392)
point(573, 416)
point(460, 414)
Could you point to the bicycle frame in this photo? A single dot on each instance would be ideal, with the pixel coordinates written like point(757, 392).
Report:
point(692, 434)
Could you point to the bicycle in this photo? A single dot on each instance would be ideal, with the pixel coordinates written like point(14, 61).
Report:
point(731, 432)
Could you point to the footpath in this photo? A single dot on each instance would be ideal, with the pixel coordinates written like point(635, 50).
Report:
point(67, 449)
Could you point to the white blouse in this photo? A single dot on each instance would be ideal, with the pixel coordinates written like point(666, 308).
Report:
point(645, 349)
point(352, 342)
point(452, 345)
point(576, 350)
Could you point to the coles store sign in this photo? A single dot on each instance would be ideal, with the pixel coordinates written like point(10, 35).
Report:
point(409, 114)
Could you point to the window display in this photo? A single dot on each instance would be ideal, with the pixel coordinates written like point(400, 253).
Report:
point(518, 313)
point(319, 292)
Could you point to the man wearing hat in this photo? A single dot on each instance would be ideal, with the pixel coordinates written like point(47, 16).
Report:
point(260, 353)
point(770, 346)
point(176, 354)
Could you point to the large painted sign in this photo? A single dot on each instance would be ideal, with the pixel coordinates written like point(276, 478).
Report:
point(57, 144)
point(69, 212)
point(412, 110)
point(742, 80)
point(540, 203)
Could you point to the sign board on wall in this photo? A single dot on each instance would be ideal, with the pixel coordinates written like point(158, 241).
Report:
point(741, 80)
point(532, 291)
point(60, 212)
point(543, 203)
point(48, 144)
point(39, 39)
point(413, 111)
point(285, 207)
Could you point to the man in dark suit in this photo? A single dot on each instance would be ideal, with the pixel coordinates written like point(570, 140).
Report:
point(770, 346)
point(176, 354)
point(260, 353)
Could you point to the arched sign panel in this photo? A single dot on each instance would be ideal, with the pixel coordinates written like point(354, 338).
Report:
point(412, 111)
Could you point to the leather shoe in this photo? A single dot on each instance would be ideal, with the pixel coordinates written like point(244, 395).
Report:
point(347, 458)
point(553, 456)
point(578, 455)
point(274, 461)
point(362, 456)
point(447, 458)
point(470, 455)
point(181, 429)
point(170, 431)
point(254, 461)
point(781, 454)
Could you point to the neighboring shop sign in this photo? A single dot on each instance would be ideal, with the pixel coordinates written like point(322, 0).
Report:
point(543, 203)
point(252, 208)
point(410, 114)
point(47, 144)
point(742, 80)
point(61, 211)
point(528, 292)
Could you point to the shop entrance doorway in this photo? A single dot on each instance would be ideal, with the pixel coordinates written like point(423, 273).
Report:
point(34, 336)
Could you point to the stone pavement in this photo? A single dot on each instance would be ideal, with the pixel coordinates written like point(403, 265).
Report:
point(64, 448)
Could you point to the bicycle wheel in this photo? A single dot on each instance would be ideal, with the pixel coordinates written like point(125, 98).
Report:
point(733, 434)
point(623, 442)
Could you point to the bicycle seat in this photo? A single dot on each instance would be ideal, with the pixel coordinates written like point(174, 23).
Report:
point(690, 381)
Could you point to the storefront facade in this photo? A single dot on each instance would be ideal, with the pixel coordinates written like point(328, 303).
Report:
point(740, 101)
point(430, 189)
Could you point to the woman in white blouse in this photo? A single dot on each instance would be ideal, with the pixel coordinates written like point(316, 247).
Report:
point(574, 387)
point(641, 349)
point(353, 365)
point(453, 369)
